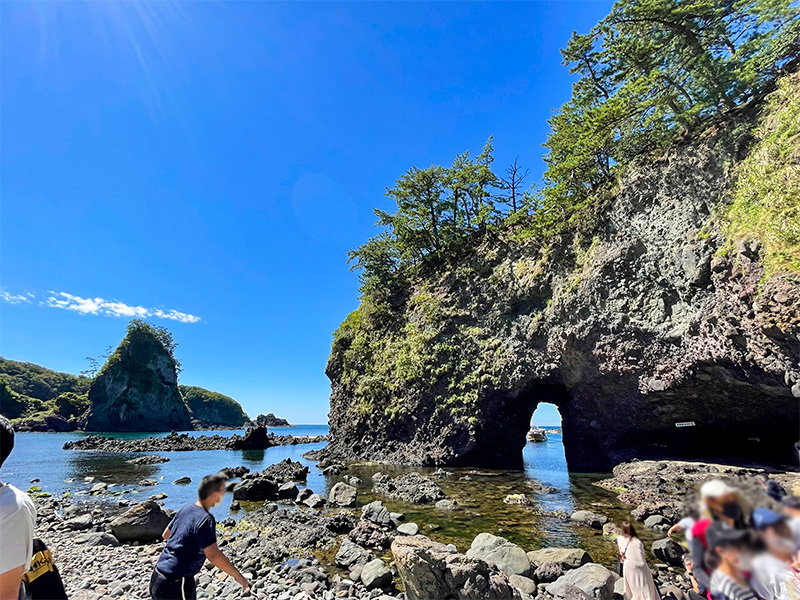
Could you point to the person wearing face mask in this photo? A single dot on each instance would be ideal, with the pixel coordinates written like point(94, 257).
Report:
point(730, 557)
point(773, 577)
point(723, 503)
point(191, 539)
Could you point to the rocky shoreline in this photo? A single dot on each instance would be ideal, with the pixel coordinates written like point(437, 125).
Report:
point(294, 544)
point(256, 438)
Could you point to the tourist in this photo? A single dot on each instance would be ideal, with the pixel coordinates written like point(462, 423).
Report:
point(191, 538)
point(17, 524)
point(730, 559)
point(773, 578)
point(685, 525)
point(791, 508)
point(772, 488)
point(639, 584)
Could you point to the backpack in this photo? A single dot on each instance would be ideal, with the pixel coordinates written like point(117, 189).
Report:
point(42, 581)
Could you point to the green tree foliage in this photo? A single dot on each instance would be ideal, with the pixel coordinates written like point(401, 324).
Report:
point(38, 382)
point(212, 408)
point(144, 332)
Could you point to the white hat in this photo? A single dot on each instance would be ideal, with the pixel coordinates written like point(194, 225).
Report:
point(714, 488)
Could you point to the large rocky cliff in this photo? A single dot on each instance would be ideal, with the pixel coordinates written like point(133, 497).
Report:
point(654, 318)
point(137, 389)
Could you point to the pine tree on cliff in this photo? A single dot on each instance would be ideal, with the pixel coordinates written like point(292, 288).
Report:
point(137, 388)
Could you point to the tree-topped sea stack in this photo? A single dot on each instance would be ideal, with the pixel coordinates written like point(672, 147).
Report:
point(137, 388)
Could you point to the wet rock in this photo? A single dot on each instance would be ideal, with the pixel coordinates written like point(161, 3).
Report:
point(235, 506)
point(343, 495)
point(509, 558)
point(149, 481)
point(159, 496)
point(375, 574)
point(519, 499)
point(235, 472)
point(669, 551)
point(588, 518)
point(286, 470)
point(98, 488)
point(431, 570)
point(182, 481)
point(143, 523)
point(566, 558)
point(548, 572)
point(152, 459)
point(288, 491)
point(410, 487)
point(303, 494)
point(376, 512)
point(595, 580)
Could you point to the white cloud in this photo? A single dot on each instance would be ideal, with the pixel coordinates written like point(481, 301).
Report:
point(113, 308)
point(14, 298)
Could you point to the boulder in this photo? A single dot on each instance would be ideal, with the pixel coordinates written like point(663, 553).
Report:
point(148, 481)
point(366, 533)
point(523, 584)
point(182, 481)
point(446, 504)
point(80, 523)
point(288, 491)
point(669, 551)
point(569, 591)
point(410, 487)
point(408, 529)
point(566, 558)
point(548, 572)
point(150, 459)
point(593, 579)
point(315, 501)
point(656, 521)
point(375, 574)
point(509, 558)
point(375, 512)
point(255, 488)
point(588, 518)
point(350, 554)
point(303, 494)
point(286, 470)
point(342, 494)
point(430, 570)
point(143, 523)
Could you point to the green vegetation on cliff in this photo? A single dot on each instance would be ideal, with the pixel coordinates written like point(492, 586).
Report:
point(213, 409)
point(27, 389)
point(652, 75)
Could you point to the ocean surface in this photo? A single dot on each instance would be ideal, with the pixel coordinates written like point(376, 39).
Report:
point(479, 493)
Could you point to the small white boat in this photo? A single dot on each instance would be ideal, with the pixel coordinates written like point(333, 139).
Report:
point(536, 434)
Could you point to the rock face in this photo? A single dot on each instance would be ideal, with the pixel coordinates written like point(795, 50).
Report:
point(649, 320)
point(431, 570)
point(137, 389)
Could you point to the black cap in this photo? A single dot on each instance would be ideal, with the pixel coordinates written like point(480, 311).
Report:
point(791, 502)
point(720, 534)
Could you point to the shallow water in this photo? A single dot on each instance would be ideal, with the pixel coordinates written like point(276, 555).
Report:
point(40, 455)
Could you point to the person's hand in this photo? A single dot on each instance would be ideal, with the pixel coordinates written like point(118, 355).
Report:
point(242, 581)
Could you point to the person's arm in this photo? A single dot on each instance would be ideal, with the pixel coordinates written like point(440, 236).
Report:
point(673, 529)
point(10, 582)
point(219, 560)
point(166, 533)
point(699, 565)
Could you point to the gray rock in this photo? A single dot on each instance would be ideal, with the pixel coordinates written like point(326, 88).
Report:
point(375, 574)
point(182, 481)
point(80, 523)
point(594, 579)
point(342, 494)
point(430, 570)
point(408, 529)
point(655, 521)
point(619, 587)
point(350, 554)
point(255, 488)
point(567, 558)
point(303, 494)
point(314, 501)
point(159, 496)
point(523, 584)
point(98, 488)
point(97, 538)
point(143, 523)
point(548, 572)
point(148, 482)
point(447, 504)
point(288, 491)
point(375, 512)
point(588, 518)
point(509, 558)
point(669, 551)
point(569, 591)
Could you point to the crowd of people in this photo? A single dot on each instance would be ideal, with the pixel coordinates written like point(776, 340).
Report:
point(735, 551)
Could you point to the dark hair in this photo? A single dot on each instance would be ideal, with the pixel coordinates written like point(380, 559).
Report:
point(6, 439)
point(628, 530)
point(210, 484)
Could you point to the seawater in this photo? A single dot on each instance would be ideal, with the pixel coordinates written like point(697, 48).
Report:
point(479, 493)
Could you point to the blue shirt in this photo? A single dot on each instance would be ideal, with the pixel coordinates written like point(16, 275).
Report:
point(191, 531)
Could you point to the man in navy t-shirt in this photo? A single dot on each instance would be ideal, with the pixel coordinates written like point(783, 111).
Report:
point(191, 539)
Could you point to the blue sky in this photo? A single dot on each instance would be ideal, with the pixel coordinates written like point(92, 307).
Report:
point(209, 165)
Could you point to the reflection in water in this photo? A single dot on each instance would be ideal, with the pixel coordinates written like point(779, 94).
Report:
point(479, 494)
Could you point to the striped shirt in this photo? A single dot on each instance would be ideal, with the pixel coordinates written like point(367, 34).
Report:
point(725, 587)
